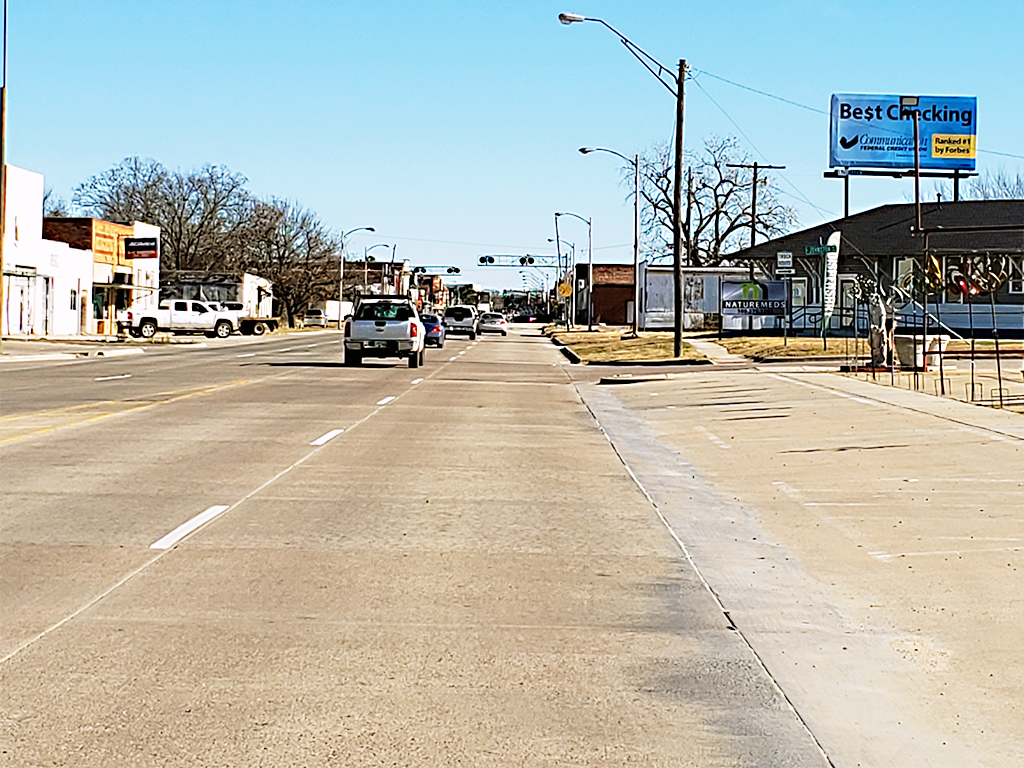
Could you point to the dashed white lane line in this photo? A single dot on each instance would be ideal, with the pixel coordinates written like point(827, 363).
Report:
point(453, 358)
point(111, 378)
point(185, 529)
point(324, 439)
point(714, 438)
point(462, 352)
point(287, 349)
point(385, 401)
point(417, 381)
point(247, 354)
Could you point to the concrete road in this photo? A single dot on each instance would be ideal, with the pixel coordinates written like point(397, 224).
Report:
point(866, 541)
point(248, 555)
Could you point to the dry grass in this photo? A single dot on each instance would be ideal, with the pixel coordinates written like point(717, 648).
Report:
point(776, 346)
point(619, 346)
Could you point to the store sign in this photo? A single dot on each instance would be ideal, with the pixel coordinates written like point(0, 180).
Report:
point(141, 247)
point(868, 131)
point(754, 297)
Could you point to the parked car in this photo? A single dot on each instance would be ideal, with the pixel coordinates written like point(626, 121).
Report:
point(435, 330)
point(314, 318)
point(178, 316)
point(461, 318)
point(492, 322)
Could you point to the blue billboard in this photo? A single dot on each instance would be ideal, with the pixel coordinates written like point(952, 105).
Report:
point(868, 131)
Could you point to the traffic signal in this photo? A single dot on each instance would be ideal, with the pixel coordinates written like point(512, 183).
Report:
point(524, 260)
point(486, 259)
point(453, 270)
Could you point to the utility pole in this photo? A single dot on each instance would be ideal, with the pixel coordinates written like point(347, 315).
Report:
point(3, 171)
point(753, 201)
point(677, 218)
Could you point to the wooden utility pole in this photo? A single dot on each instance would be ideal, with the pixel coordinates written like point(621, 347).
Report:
point(753, 201)
point(677, 218)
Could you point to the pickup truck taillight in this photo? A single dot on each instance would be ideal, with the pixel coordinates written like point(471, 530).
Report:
point(414, 330)
point(348, 330)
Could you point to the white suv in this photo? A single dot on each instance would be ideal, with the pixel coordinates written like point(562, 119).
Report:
point(461, 318)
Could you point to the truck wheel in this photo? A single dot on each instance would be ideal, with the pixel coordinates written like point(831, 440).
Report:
point(259, 329)
point(472, 336)
point(148, 329)
point(354, 359)
point(222, 329)
point(135, 333)
point(414, 360)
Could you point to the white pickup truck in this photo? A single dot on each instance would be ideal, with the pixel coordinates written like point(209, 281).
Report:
point(178, 316)
point(385, 326)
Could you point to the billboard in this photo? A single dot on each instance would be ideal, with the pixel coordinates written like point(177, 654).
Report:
point(868, 131)
point(754, 297)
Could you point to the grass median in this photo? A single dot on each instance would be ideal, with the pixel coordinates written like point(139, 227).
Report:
point(620, 346)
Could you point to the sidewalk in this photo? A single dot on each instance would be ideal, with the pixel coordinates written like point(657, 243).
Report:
point(16, 349)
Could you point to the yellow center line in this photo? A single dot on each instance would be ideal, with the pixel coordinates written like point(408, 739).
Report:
point(101, 416)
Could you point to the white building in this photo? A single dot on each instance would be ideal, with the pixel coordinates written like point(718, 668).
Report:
point(46, 285)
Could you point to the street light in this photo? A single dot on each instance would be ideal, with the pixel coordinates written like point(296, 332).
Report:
point(590, 267)
point(636, 228)
point(675, 84)
point(341, 267)
point(367, 258)
point(912, 103)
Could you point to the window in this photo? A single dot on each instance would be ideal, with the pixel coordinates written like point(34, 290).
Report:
point(1016, 283)
point(181, 306)
point(799, 291)
point(74, 299)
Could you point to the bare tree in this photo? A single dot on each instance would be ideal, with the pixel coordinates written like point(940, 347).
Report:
point(289, 245)
point(54, 205)
point(719, 204)
point(201, 213)
point(998, 185)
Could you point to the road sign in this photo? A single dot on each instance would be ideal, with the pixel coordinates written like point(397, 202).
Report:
point(784, 259)
point(819, 250)
point(565, 290)
point(785, 271)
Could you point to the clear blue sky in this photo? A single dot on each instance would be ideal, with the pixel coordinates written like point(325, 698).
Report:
point(452, 126)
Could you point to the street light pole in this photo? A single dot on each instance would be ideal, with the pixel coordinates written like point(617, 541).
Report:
point(341, 267)
point(636, 228)
point(675, 85)
point(590, 266)
point(366, 259)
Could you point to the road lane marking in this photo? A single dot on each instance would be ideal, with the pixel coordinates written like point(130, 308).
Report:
point(247, 354)
point(89, 603)
point(288, 349)
point(462, 352)
point(385, 401)
point(111, 378)
point(450, 359)
point(416, 381)
point(324, 439)
point(185, 529)
point(714, 438)
point(108, 403)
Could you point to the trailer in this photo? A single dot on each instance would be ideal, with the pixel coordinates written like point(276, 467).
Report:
point(249, 296)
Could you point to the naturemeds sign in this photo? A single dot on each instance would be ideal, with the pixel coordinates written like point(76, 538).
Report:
point(876, 132)
point(765, 297)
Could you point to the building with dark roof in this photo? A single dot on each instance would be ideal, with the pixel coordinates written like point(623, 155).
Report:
point(977, 239)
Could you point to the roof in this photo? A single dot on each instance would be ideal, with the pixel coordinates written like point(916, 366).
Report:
point(886, 231)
